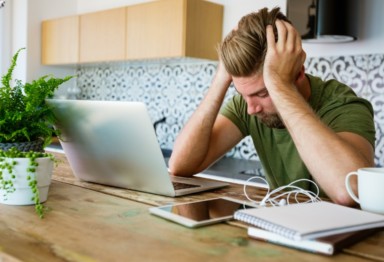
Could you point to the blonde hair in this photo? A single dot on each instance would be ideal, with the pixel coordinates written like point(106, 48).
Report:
point(244, 48)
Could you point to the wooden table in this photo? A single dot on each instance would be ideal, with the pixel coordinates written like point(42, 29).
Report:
point(90, 222)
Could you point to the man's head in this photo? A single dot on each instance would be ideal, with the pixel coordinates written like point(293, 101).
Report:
point(243, 50)
point(242, 53)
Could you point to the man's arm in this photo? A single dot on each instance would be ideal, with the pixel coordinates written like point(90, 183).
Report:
point(329, 156)
point(207, 135)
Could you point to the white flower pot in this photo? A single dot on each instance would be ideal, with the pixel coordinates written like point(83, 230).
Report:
point(23, 194)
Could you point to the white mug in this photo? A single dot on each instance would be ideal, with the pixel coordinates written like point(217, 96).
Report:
point(370, 188)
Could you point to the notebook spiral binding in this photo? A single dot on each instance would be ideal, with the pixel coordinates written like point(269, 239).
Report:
point(249, 219)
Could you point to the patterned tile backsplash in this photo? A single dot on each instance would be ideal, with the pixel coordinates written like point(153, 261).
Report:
point(173, 88)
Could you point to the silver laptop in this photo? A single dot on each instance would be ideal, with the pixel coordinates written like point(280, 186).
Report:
point(114, 143)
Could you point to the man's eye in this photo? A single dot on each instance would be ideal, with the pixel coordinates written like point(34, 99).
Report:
point(263, 94)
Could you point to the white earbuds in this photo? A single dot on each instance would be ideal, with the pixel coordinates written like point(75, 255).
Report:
point(278, 200)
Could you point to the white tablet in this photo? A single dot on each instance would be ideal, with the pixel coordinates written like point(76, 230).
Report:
point(200, 213)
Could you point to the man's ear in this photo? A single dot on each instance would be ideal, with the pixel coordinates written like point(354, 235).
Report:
point(300, 75)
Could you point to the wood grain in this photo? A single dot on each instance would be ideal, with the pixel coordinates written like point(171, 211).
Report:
point(174, 28)
point(90, 222)
point(63, 173)
point(102, 36)
point(84, 225)
point(60, 41)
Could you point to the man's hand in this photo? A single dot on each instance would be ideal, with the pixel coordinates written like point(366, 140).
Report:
point(284, 58)
point(329, 156)
point(222, 76)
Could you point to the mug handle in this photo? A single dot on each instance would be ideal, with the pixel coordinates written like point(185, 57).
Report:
point(348, 186)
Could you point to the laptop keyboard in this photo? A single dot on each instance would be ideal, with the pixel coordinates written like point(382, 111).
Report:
point(178, 185)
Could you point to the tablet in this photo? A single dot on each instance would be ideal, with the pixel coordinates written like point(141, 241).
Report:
point(200, 213)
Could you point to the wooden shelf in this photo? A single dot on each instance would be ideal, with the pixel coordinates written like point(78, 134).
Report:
point(153, 30)
point(174, 28)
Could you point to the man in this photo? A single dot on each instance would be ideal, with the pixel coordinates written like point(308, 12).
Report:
point(301, 126)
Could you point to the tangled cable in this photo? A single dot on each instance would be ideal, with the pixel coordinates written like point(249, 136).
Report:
point(284, 198)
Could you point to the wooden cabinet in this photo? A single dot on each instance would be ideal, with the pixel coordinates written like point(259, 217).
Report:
point(102, 36)
point(158, 29)
point(174, 28)
point(60, 41)
point(203, 31)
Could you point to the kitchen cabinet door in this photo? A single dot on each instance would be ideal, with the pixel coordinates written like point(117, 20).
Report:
point(204, 26)
point(60, 41)
point(102, 36)
point(173, 28)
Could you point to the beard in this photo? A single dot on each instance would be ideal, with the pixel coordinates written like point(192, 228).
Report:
point(271, 120)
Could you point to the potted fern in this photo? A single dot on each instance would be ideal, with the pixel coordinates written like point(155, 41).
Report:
point(26, 128)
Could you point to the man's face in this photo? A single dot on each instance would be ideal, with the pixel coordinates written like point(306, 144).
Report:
point(259, 103)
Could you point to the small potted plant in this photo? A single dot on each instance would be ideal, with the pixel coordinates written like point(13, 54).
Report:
point(25, 178)
point(26, 128)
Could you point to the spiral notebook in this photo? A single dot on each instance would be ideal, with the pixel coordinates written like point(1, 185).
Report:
point(310, 220)
point(325, 245)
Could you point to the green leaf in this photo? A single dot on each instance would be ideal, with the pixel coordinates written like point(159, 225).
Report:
point(24, 113)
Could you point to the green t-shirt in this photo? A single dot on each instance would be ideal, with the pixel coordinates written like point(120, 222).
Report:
point(333, 102)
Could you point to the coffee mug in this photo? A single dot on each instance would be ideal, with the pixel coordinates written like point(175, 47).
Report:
point(370, 188)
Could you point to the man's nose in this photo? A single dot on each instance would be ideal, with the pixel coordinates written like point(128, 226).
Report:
point(254, 108)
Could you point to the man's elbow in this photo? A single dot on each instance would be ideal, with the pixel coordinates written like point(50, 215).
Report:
point(176, 169)
point(173, 168)
point(177, 172)
point(343, 198)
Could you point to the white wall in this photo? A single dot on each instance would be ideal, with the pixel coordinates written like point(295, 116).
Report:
point(5, 41)
point(39, 10)
point(86, 6)
point(28, 15)
point(234, 10)
point(14, 15)
point(21, 27)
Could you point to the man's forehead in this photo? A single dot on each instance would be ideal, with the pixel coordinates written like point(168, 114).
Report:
point(254, 83)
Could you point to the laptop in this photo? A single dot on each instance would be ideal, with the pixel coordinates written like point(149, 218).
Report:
point(114, 143)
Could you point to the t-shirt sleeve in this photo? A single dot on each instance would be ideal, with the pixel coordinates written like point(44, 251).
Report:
point(236, 111)
point(355, 115)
